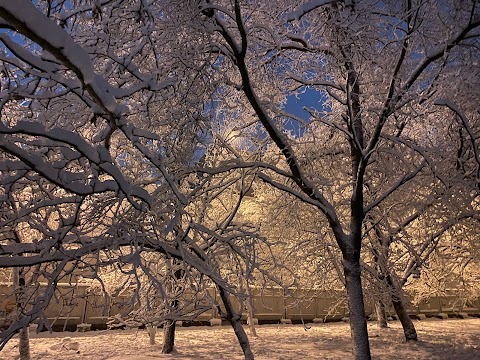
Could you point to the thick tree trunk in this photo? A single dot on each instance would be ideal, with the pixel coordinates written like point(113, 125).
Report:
point(234, 319)
point(168, 336)
point(358, 322)
point(381, 314)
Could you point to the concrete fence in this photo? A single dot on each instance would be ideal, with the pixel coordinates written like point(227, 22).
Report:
point(74, 305)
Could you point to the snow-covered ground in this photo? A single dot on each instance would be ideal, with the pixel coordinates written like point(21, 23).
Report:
point(440, 339)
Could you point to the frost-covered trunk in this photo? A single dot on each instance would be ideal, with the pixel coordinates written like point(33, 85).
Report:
point(381, 314)
point(24, 344)
point(358, 322)
point(351, 246)
point(234, 319)
point(152, 331)
point(176, 287)
point(24, 340)
point(168, 336)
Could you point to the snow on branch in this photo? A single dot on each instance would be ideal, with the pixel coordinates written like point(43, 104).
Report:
point(466, 124)
point(395, 186)
point(308, 7)
point(98, 156)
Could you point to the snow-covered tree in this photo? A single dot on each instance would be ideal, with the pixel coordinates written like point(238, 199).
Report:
point(109, 152)
point(104, 109)
point(377, 68)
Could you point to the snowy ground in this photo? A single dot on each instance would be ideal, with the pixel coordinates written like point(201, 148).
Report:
point(440, 339)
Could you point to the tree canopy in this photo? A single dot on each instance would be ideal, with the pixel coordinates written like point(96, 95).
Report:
point(137, 130)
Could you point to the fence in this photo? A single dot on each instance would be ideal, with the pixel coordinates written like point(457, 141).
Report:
point(74, 305)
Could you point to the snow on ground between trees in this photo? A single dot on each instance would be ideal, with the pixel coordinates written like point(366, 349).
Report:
point(440, 339)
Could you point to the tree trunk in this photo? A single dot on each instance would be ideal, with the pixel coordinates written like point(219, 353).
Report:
point(168, 336)
point(407, 324)
point(169, 326)
point(401, 311)
point(381, 314)
point(251, 325)
point(358, 322)
point(24, 340)
point(24, 344)
point(152, 331)
point(234, 319)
